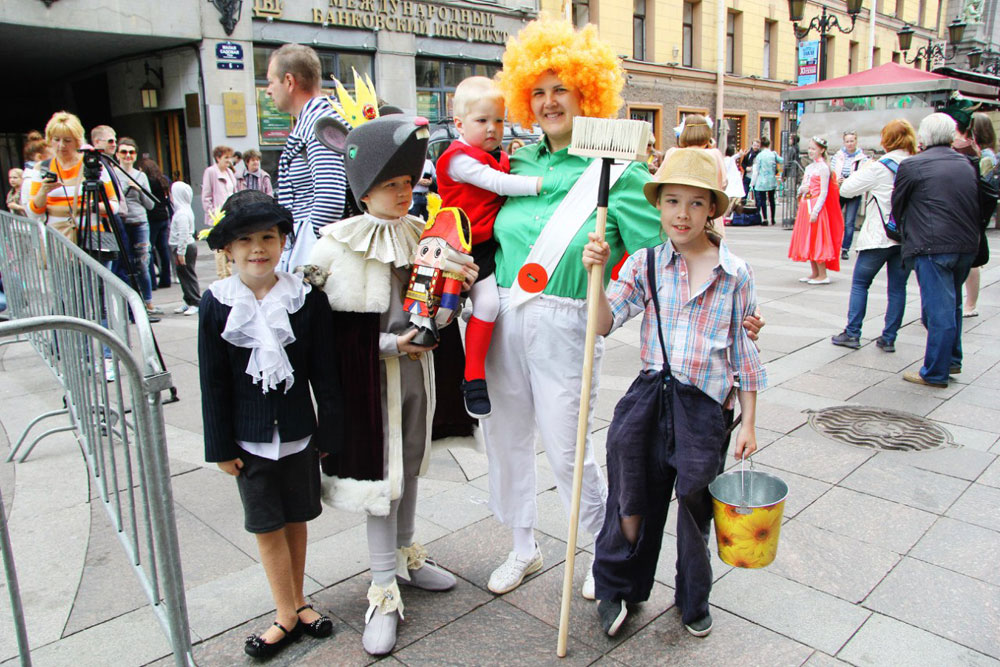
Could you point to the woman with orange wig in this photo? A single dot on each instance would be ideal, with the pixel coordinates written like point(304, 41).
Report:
point(552, 74)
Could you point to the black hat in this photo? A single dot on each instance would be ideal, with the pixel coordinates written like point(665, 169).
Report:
point(247, 212)
point(378, 150)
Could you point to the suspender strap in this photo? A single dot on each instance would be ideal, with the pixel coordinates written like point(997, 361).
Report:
point(651, 285)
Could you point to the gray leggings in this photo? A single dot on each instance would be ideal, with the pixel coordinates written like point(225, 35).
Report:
point(387, 533)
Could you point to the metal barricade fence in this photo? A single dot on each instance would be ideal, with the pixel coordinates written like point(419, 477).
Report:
point(91, 329)
point(791, 177)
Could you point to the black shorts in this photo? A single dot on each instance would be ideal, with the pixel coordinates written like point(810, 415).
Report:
point(484, 254)
point(278, 492)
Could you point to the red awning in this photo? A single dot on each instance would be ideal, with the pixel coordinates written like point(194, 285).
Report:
point(879, 76)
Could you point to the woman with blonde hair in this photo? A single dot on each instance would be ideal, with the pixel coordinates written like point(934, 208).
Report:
point(55, 193)
point(875, 248)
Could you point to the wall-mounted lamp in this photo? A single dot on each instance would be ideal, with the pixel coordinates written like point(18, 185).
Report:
point(149, 92)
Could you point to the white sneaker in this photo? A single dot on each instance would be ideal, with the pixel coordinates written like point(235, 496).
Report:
point(512, 572)
point(109, 370)
point(191, 310)
point(588, 584)
point(181, 309)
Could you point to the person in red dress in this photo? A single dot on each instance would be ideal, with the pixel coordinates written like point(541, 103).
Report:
point(819, 223)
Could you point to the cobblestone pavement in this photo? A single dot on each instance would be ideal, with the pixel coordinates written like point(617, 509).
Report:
point(886, 558)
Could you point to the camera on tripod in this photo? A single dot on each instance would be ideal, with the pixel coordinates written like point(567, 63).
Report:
point(91, 164)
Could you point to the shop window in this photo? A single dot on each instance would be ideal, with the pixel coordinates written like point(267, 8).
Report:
point(335, 65)
point(651, 116)
point(436, 82)
point(639, 29)
point(735, 127)
point(769, 128)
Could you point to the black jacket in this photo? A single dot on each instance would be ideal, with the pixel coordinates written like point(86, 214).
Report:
point(234, 408)
point(936, 202)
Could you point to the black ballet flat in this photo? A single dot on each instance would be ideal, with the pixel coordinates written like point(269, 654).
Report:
point(256, 647)
point(320, 628)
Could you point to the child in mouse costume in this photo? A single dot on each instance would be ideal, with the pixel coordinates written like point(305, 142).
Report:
point(387, 443)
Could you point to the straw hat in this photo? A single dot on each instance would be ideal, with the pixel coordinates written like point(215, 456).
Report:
point(689, 166)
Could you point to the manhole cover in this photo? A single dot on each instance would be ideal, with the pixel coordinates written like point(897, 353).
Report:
point(879, 428)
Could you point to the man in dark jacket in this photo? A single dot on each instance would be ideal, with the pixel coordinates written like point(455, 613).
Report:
point(936, 203)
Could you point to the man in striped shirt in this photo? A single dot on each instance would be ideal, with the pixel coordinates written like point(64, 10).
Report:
point(312, 183)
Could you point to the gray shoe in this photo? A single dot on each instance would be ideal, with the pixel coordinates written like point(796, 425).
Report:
point(701, 627)
point(843, 339)
point(612, 615)
point(884, 345)
point(380, 633)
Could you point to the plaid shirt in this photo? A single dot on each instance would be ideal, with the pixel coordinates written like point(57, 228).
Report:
point(703, 331)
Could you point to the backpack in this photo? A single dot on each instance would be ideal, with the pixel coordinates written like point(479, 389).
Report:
point(890, 225)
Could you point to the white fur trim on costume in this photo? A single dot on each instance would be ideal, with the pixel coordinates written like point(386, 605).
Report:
point(427, 365)
point(353, 495)
point(474, 441)
point(394, 438)
point(355, 285)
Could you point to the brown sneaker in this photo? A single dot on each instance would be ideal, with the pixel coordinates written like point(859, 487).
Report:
point(915, 378)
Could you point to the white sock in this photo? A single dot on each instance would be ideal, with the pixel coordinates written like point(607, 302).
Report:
point(524, 542)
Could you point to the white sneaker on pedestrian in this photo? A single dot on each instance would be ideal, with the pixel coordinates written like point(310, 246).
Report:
point(588, 591)
point(180, 310)
point(191, 310)
point(109, 370)
point(512, 572)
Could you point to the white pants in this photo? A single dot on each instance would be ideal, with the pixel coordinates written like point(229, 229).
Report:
point(534, 369)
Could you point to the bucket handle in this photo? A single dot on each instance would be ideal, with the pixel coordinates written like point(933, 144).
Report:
point(745, 488)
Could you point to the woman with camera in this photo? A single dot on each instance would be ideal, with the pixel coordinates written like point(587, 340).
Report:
point(55, 193)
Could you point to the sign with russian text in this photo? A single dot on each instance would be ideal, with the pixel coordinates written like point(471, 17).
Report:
point(228, 51)
point(808, 62)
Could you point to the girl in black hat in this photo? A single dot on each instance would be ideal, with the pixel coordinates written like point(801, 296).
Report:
point(261, 345)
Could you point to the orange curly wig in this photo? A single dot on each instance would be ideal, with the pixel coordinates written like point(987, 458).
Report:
point(580, 59)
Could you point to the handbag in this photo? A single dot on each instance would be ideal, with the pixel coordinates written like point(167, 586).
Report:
point(662, 423)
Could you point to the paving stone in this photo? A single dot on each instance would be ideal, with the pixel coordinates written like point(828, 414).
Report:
point(665, 641)
point(829, 562)
point(826, 460)
point(978, 505)
point(971, 607)
point(802, 491)
point(865, 518)
point(905, 484)
point(821, 385)
point(897, 383)
point(777, 417)
point(991, 476)
point(820, 659)
point(444, 467)
point(852, 373)
point(969, 437)
point(475, 551)
point(542, 598)
point(885, 641)
point(456, 508)
point(964, 414)
point(425, 612)
point(792, 609)
point(962, 547)
point(979, 396)
point(666, 566)
point(553, 519)
point(960, 462)
point(497, 633)
point(473, 463)
point(896, 399)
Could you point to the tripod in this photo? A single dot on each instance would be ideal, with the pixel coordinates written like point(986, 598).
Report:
point(99, 244)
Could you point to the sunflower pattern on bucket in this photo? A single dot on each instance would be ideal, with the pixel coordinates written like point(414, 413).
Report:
point(748, 540)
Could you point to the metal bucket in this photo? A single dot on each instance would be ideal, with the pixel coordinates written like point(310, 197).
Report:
point(748, 506)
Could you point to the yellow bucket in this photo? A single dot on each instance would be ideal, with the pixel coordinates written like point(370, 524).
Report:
point(748, 506)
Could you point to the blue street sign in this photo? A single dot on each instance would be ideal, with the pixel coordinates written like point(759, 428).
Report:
point(229, 51)
point(228, 64)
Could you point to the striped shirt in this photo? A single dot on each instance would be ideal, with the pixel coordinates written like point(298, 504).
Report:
point(703, 330)
point(312, 183)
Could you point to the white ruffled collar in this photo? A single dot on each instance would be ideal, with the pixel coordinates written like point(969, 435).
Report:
point(263, 326)
point(387, 241)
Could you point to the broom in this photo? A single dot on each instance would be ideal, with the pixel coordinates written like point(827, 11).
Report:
point(609, 139)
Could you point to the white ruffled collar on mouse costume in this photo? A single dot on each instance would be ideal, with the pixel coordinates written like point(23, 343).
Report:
point(388, 241)
point(263, 326)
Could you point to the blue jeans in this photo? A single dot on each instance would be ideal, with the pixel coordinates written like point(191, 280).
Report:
point(137, 246)
point(941, 278)
point(850, 208)
point(869, 263)
point(763, 197)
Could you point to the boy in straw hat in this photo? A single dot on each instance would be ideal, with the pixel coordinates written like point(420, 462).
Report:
point(703, 292)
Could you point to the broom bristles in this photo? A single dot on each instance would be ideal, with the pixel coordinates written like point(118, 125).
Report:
point(618, 138)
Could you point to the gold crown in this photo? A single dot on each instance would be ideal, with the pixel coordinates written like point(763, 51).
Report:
point(360, 108)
